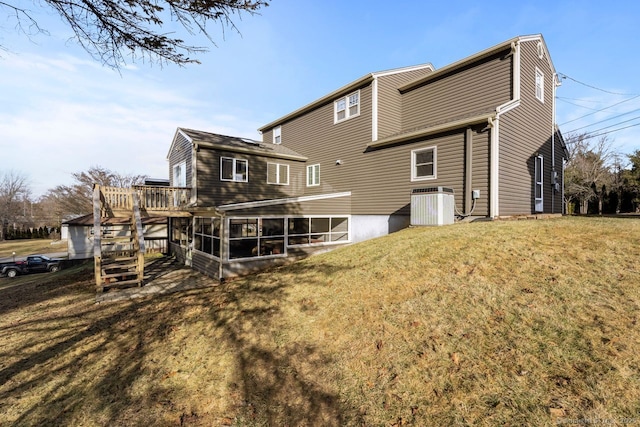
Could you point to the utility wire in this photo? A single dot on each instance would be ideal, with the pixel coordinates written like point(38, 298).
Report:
point(603, 133)
point(605, 120)
point(564, 76)
point(578, 99)
point(615, 124)
point(602, 109)
point(577, 105)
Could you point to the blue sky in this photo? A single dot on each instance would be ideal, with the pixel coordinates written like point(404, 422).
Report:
point(62, 112)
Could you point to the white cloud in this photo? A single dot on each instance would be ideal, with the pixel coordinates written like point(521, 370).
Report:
point(81, 115)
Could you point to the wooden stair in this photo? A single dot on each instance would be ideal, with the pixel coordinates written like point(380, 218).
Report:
point(119, 259)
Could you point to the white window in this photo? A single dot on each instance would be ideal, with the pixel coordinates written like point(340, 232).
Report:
point(347, 107)
point(313, 175)
point(423, 164)
point(539, 85)
point(277, 135)
point(277, 173)
point(206, 235)
point(317, 230)
point(180, 174)
point(256, 237)
point(233, 169)
point(538, 185)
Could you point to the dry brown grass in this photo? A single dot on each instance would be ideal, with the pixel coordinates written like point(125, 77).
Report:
point(30, 247)
point(504, 323)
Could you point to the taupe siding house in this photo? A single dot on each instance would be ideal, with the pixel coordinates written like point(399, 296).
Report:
point(342, 168)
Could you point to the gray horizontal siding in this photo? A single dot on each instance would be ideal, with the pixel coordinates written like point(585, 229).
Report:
point(475, 89)
point(205, 264)
point(390, 100)
point(480, 172)
point(181, 151)
point(525, 132)
point(213, 192)
point(317, 137)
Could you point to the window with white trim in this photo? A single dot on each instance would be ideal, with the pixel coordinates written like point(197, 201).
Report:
point(277, 135)
point(277, 173)
point(313, 175)
point(180, 174)
point(256, 237)
point(538, 184)
point(346, 107)
point(317, 230)
point(206, 235)
point(423, 164)
point(539, 85)
point(232, 169)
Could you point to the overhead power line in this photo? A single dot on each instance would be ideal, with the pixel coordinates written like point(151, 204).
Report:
point(577, 105)
point(605, 120)
point(564, 76)
point(602, 109)
point(615, 124)
point(589, 136)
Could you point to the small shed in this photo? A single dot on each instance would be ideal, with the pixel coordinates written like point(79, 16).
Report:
point(80, 234)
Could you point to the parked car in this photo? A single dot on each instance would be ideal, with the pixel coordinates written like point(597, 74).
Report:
point(32, 264)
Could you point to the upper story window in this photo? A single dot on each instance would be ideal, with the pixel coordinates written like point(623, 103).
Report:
point(234, 169)
point(347, 107)
point(539, 85)
point(313, 175)
point(180, 174)
point(277, 173)
point(277, 135)
point(423, 164)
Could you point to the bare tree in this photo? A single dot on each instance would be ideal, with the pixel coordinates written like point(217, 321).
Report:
point(109, 30)
point(76, 199)
point(14, 191)
point(588, 171)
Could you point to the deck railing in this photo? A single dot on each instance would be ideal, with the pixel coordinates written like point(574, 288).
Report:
point(151, 198)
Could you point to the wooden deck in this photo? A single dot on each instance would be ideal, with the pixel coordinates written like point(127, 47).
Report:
point(119, 260)
point(157, 201)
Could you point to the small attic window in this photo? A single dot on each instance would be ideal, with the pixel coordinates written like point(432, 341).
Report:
point(277, 135)
point(539, 85)
point(540, 50)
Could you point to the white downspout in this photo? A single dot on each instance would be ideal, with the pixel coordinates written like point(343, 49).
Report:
point(494, 175)
point(554, 174)
point(494, 209)
point(374, 109)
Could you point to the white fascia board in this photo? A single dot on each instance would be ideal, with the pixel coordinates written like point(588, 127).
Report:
point(433, 129)
point(273, 202)
point(175, 136)
point(339, 92)
point(404, 70)
point(222, 147)
point(539, 38)
point(374, 92)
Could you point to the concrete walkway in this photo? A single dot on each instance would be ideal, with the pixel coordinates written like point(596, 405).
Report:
point(162, 276)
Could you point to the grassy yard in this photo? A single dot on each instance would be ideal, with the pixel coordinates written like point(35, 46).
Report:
point(483, 324)
point(31, 247)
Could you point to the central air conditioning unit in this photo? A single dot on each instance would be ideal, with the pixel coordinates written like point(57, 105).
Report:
point(432, 206)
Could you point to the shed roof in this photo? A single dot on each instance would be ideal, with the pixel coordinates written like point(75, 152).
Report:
point(238, 144)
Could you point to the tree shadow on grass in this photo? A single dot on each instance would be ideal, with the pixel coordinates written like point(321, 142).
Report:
point(100, 365)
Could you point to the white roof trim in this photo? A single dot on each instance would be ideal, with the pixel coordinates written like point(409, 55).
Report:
point(273, 202)
point(173, 142)
point(341, 91)
point(432, 129)
point(243, 150)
